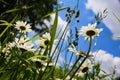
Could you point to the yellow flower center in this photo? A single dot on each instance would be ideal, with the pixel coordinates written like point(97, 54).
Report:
point(38, 64)
point(23, 50)
point(22, 28)
point(90, 32)
point(85, 69)
point(46, 42)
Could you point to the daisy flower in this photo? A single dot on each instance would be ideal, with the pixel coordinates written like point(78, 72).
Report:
point(6, 49)
point(78, 52)
point(44, 41)
point(86, 66)
point(23, 44)
point(46, 36)
point(23, 26)
point(27, 46)
point(90, 31)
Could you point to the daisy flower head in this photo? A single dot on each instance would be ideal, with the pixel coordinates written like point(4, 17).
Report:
point(86, 66)
point(23, 26)
point(23, 44)
point(90, 31)
point(44, 41)
point(46, 36)
point(78, 52)
point(27, 46)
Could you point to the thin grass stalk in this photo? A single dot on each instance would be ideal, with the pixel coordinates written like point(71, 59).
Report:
point(60, 48)
point(93, 71)
point(59, 52)
point(70, 59)
point(56, 48)
point(72, 67)
point(66, 51)
point(8, 26)
point(65, 65)
point(78, 4)
point(74, 63)
point(60, 40)
point(86, 76)
point(51, 42)
point(90, 45)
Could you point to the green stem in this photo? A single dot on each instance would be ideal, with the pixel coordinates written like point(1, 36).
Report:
point(90, 44)
point(54, 51)
point(60, 48)
point(72, 67)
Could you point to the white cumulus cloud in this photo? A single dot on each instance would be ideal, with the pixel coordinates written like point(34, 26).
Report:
point(113, 6)
point(60, 26)
point(108, 62)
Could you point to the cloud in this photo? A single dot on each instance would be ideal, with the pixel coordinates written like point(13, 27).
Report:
point(61, 26)
point(113, 7)
point(108, 62)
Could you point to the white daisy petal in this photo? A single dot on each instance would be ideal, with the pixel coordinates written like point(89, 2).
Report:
point(46, 36)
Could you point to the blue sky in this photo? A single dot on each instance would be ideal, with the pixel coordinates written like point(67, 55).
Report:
point(109, 48)
point(104, 42)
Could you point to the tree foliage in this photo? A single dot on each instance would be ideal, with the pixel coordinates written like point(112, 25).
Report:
point(26, 10)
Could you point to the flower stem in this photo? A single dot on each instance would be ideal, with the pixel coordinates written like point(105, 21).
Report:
point(72, 67)
point(42, 74)
point(90, 44)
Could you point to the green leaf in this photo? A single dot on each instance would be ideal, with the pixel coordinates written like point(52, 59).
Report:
point(54, 27)
point(5, 23)
point(7, 26)
point(3, 1)
point(9, 11)
point(37, 56)
point(12, 10)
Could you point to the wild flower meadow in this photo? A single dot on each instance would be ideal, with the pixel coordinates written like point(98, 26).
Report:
point(37, 57)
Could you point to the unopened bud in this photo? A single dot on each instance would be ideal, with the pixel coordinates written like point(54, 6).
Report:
point(81, 53)
point(68, 9)
point(77, 14)
point(77, 19)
